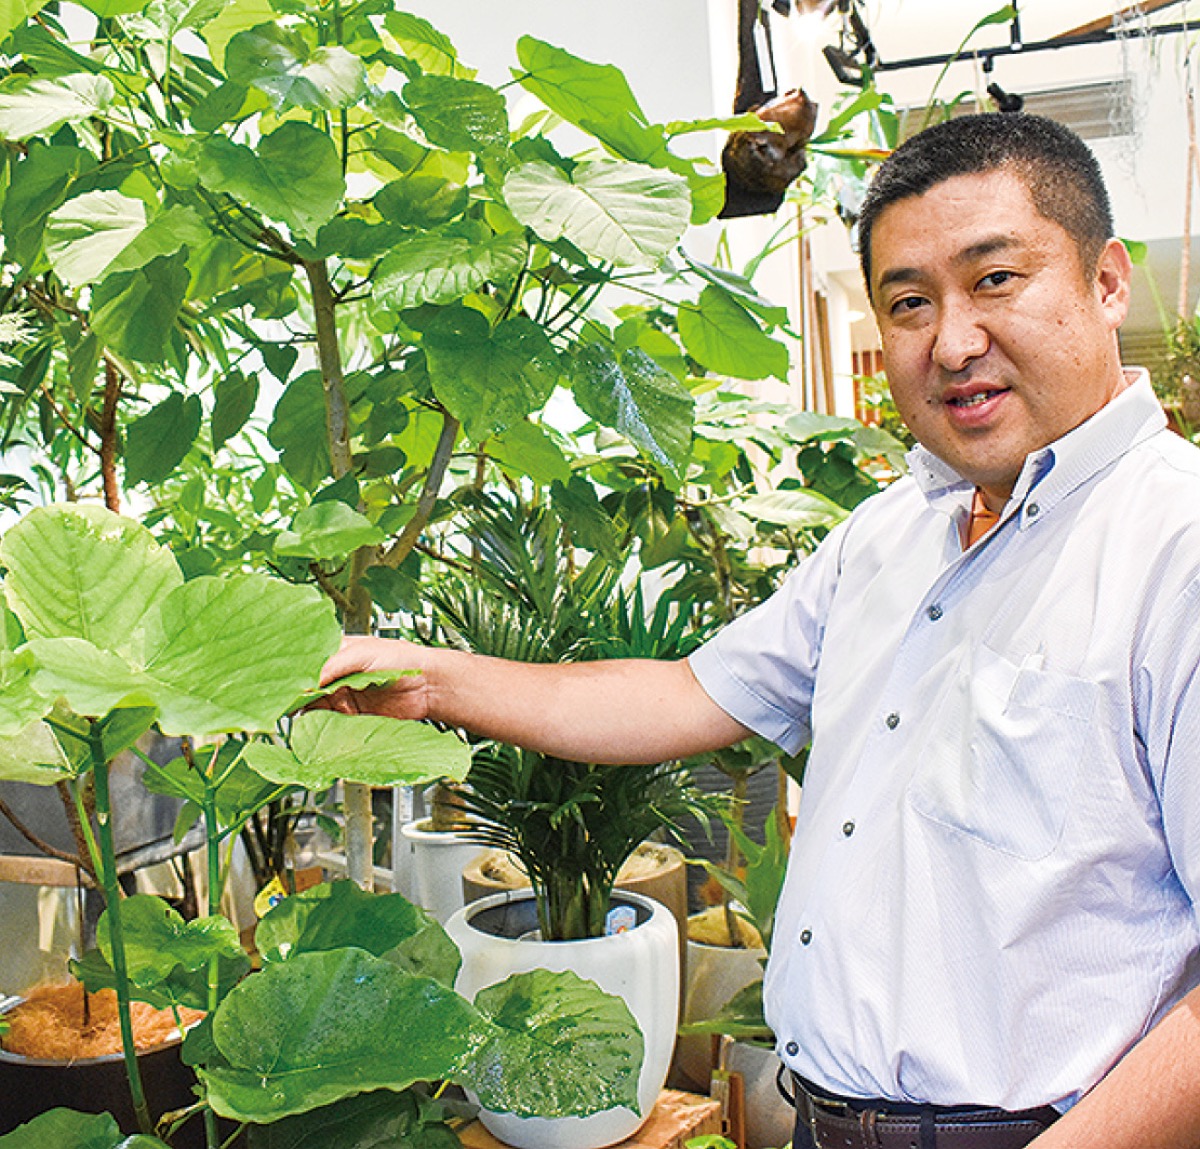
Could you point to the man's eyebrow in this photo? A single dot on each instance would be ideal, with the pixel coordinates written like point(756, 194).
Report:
point(980, 250)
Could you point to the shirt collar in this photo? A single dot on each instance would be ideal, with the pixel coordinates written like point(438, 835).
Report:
point(1128, 419)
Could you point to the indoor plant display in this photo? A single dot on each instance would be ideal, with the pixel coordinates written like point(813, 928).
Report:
point(104, 638)
point(197, 192)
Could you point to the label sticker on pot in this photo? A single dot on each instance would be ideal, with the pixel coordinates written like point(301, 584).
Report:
point(620, 920)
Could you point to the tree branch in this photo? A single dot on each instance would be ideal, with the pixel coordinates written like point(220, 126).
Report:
point(38, 843)
point(403, 546)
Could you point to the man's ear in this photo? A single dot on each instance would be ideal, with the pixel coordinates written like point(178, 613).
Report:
point(1114, 276)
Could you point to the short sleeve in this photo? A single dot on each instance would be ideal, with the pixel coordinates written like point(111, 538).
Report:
point(760, 669)
point(1168, 703)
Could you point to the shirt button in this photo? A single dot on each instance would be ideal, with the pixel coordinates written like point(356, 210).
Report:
point(1033, 510)
point(791, 1049)
point(805, 937)
point(934, 612)
point(847, 828)
point(892, 720)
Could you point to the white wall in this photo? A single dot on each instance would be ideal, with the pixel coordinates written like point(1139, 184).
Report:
point(662, 46)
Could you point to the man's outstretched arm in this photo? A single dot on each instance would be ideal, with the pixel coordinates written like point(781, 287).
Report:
point(614, 711)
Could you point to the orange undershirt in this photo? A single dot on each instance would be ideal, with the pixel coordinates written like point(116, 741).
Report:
point(981, 521)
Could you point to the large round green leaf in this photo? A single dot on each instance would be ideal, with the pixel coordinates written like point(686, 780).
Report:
point(724, 336)
point(307, 1032)
point(220, 655)
point(442, 268)
point(294, 176)
point(338, 914)
point(622, 213)
point(37, 107)
point(168, 959)
point(157, 939)
point(632, 394)
point(80, 571)
point(88, 232)
point(91, 681)
point(363, 748)
point(278, 61)
point(67, 1129)
point(233, 653)
point(489, 377)
point(327, 530)
point(561, 1046)
point(458, 115)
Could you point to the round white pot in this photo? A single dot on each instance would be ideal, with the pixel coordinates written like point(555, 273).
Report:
point(714, 975)
point(641, 966)
point(436, 861)
point(769, 1118)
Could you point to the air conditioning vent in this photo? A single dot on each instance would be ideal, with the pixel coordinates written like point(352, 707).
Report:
point(1094, 111)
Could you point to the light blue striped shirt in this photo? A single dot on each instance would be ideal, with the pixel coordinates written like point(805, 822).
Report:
point(992, 887)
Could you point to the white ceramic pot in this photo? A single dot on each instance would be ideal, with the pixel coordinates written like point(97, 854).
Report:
point(641, 966)
point(769, 1118)
point(714, 975)
point(436, 860)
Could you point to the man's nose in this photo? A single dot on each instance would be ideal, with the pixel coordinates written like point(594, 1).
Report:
point(960, 336)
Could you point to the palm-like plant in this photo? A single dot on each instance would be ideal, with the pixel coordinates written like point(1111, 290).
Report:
point(571, 824)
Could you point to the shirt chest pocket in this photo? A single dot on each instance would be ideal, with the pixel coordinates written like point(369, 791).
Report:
point(1000, 758)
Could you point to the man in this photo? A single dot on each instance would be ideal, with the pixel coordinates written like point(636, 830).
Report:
point(991, 895)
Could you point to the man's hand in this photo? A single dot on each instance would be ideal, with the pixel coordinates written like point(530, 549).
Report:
point(407, 697)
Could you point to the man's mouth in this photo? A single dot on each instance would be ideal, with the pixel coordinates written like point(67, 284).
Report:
point(975, 399)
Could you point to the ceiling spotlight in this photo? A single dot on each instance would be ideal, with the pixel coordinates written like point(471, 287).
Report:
point(854, 54)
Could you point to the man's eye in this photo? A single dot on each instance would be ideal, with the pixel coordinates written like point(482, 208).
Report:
point(906, 304)
point(996, 279)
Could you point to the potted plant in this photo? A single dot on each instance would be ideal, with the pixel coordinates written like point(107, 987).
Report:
point(439, 850)
point(272, 178)
point(747, 1043)
point(104, 639)
point(519, 587)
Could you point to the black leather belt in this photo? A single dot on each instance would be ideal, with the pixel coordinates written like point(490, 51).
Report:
point(842, 1123)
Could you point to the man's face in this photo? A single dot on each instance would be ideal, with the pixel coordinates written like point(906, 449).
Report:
point(996, 340)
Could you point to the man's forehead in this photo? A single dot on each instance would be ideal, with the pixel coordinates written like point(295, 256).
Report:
point(910, 267)
point(973, 207)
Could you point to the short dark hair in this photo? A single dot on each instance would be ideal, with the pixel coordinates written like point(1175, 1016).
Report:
point(1057, 167)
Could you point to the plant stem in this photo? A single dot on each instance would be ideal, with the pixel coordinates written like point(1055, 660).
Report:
point(403, 546)
point(116, 929)
point(108, 436)
point(360, 832)
point(212, 836)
